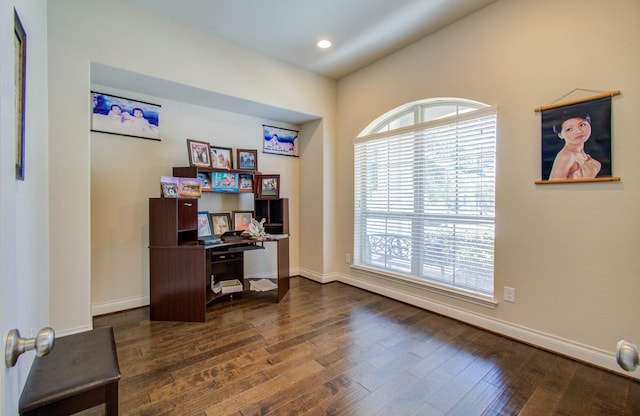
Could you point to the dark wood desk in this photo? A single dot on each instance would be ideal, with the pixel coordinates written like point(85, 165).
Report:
point(180, 276)
point(79, 373)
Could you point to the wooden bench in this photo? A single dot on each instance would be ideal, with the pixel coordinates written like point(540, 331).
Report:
point(79, 373)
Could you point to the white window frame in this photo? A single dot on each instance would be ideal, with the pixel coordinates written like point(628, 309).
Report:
point(393, 237)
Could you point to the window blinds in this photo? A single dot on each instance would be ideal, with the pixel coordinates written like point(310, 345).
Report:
point(425, 201)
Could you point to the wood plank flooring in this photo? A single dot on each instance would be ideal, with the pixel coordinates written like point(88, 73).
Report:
point(337, 350)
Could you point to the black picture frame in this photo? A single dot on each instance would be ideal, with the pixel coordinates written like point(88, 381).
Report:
point(279, 141)
point(122, 116)
point(20, 88)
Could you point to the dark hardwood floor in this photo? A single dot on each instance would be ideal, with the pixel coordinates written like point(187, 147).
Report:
point(337, 350)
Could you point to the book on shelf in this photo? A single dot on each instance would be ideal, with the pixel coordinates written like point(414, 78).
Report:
point(227, 286)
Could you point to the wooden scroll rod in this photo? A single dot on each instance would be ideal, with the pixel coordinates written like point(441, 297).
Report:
point(610, 179)
point(578, 100)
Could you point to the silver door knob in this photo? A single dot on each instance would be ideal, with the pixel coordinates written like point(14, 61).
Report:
point(627, 355)
point(15, 345)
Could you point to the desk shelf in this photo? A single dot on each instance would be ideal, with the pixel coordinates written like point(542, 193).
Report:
point(276, 214)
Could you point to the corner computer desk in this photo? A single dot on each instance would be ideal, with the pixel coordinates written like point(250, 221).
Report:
point(180, 287)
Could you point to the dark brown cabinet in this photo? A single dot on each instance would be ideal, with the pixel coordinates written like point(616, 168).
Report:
point(177, 264)
point(178, 290)
point(174, 221)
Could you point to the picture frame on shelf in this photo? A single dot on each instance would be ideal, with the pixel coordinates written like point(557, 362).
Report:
point(205, 230)
point(224, 181)
point(20, 63)
point(279, 141)
point(199, 155)
point(241, 220)
point(245, 183)
point(169, 187)
point(268, 186)
point(247, 159)
point(124, 116)
point(221, 222)
point(189, 187)
point(221, 157)
point(205, 180)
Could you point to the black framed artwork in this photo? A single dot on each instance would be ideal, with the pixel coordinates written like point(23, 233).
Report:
point(20, 42)
point(279, 141)
point(123, 116)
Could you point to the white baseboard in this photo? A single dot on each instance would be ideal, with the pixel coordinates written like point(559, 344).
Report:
point(270, 275)
point(72, 331)
point(316, 277)
point(133, 302)
point(119, 305)
point(565, 347)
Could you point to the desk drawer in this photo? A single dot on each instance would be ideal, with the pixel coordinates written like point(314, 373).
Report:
point(219, 257)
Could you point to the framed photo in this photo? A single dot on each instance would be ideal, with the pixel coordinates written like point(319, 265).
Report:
point(224, 181)
point(247, 159)
point(241, 220)
point(221, 223)
point(189, 187)
point(198, 153)
point(206, 182)
point(119, 115)
point(221, 157)
point(169, 187)
point(269, 186)
point(20, 60)
point(279, 141)
point(246, 183)
point(205, 228)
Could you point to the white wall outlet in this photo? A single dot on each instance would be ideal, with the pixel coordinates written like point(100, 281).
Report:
point(509, 294)
point(347, 257)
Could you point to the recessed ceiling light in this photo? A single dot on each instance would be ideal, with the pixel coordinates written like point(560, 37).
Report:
point(324, 44)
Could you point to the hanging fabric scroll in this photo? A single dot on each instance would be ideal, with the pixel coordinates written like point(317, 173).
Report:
point(576, 140)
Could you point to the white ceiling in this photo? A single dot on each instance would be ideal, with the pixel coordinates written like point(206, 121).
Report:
point(362, 31)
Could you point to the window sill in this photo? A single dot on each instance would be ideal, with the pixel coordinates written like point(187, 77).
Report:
point(481, 300)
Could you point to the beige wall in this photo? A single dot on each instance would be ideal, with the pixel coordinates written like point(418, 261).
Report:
point(118, 35)
point(570, 251)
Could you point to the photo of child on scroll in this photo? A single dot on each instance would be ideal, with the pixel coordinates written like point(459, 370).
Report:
point(576, 141)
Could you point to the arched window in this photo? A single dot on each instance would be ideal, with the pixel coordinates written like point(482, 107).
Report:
point(424, 205)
